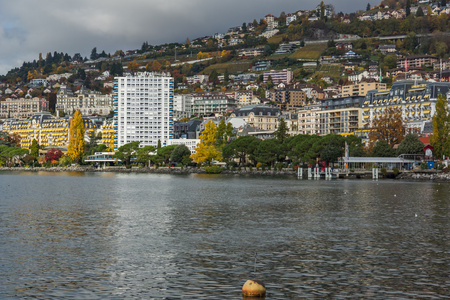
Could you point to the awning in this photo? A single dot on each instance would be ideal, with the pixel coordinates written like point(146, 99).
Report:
point(426, 111)
point(426, 104)
point(426, 96)
point(366, 109)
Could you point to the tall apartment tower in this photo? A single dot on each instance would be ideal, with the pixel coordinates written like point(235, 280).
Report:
point(143, 109)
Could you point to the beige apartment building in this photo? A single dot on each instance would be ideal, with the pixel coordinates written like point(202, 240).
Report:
point(22, 108)
point(361, 89)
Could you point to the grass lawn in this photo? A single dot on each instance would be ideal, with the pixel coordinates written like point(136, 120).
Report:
point(332, 70)
point(233, 67)
point(309, 52)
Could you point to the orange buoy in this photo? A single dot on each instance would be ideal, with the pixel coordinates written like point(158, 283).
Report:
point(254, 288)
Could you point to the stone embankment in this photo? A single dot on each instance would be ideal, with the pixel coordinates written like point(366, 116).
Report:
point(161, 170)
point(425, 175)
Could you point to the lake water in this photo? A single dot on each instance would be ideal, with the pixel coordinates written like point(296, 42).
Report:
point(147, 236)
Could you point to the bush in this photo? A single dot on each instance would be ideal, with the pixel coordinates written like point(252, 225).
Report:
point(213, 169)
point(424, 166)
point(396, 171)
point(383, 171)
point(258, 166)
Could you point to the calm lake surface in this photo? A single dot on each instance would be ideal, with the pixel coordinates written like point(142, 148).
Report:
point(147, 236)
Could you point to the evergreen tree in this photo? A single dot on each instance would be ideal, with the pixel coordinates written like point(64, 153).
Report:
point(94, 54)
point(76, 138)
point(408, 7)
point(282, 131)
point(34, 149)
point(368, 7)
point(419, 12)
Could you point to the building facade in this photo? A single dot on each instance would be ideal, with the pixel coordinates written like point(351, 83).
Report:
point(87, 102)
point(49, 132)
point(260, 117)
point(284, 76)
point(416, 101)
point(361, 89)
point(341, 115)
point(143, 109)
point(205, 104)
point(22, 108)
point(288, 99)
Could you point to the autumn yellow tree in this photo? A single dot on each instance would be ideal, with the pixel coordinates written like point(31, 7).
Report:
point(207, 149)
point(388, 127)
point(76, 138)
point(133, 66)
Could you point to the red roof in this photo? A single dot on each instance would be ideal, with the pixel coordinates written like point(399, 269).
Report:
point(425, 140)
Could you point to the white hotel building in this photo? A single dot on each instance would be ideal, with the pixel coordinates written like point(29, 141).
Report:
point(143, 109)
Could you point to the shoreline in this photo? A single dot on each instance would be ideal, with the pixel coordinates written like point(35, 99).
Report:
point(160, 170)
point(418, 175)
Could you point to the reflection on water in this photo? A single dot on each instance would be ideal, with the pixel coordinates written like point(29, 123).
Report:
point(106, 235)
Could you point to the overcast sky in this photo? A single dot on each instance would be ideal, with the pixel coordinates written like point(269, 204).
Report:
point(29, 27)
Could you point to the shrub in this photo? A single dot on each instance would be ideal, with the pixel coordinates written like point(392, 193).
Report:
point(396, 171)
point(258, 166)
point(213, 169)
point(424, 166)
point(383, 171)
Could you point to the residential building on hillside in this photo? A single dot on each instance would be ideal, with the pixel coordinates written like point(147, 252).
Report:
point(286, 48)
point(38, 82)
point(386, 49)
point(206, 104)
point(249, 52)
point(143, 109)
point(279, 76)
point(22, 108)
point(416, 101)
point(288, 99)
point(416, 61)
point(358, 76)
point(49, 132)
point(87, 102)
point(262, 65)
point(361, 89)
point(290, 18)
point(270, 20)
point(243, 97)
point(197, 79)
point(268, 33)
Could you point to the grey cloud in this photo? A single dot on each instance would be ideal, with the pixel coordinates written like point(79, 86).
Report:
point(78, 26)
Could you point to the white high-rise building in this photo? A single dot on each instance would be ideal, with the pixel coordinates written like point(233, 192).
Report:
point(143, 109)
